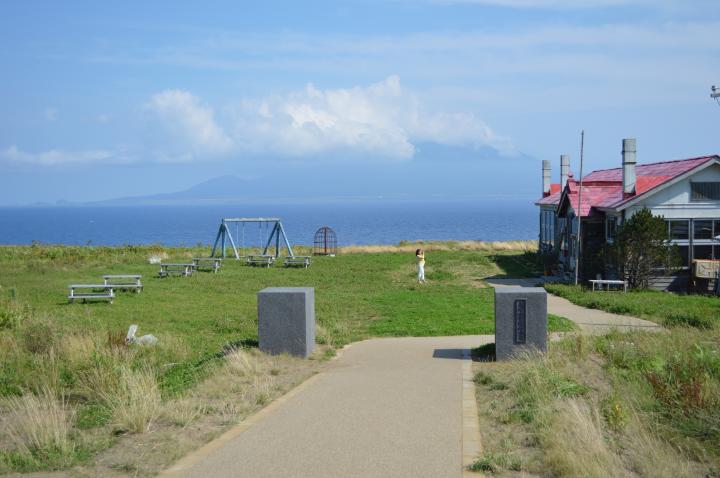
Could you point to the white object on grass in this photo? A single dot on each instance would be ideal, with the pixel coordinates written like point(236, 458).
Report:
point(148, 339)
point(154, 259)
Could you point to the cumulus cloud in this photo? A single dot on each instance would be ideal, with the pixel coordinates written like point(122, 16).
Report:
point(381, 119)
point(55, 157)
point(184, 115)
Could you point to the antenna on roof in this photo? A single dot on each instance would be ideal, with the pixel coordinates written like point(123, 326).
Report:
point(715, 93)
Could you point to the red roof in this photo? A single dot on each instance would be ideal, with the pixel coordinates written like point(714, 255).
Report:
point(553, 197)
point(603, 188)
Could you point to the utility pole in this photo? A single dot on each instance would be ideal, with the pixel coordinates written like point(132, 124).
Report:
point(579, 211)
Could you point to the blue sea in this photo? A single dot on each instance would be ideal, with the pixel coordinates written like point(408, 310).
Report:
point(355, 222)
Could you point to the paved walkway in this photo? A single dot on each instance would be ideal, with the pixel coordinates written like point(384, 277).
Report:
point(385, 408)
point(591, 321)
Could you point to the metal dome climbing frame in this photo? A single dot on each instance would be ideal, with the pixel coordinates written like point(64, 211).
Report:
point(325, 243)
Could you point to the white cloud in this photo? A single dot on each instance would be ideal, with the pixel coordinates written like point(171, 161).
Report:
point(56, 157)
point(381, 119)
point(184, 115)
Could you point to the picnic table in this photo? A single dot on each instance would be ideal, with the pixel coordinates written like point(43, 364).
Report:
point(599, 283)
point(258, 260)
point(124, 281)
point(184, 270)
point(303, 261)
point(94, 291)
point(212, 263)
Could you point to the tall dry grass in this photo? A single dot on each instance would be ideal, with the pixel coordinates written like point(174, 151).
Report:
point(40, 424)
point(408, 247)
point(242, 362)
point(132, 396)
point(653, 456)
point(574, 444)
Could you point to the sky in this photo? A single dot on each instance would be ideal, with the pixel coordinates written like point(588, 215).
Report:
point(449, 98)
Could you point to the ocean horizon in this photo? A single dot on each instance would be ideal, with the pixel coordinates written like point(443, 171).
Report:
point(355, 222)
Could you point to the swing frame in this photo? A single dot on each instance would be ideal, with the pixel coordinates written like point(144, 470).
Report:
point(224, 236)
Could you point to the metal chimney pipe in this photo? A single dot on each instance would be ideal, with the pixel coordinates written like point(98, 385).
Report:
point(629, 160)
point(546, 177)
point(564, 169)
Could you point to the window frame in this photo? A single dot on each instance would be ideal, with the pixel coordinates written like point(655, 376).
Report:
point(698, 195)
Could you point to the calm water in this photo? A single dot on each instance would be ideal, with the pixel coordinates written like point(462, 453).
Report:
point(369, 222)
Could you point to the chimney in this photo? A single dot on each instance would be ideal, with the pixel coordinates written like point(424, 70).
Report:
point(546, 177)
point(564, 169)
point(629, 159)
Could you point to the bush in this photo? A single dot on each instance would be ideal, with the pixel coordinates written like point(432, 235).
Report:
point(38, 335)
point(689, 319)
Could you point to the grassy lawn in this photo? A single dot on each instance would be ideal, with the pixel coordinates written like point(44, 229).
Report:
point(52, 350)
point(665, 308)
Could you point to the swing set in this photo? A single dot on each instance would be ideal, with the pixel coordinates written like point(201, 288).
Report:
point(224, 236)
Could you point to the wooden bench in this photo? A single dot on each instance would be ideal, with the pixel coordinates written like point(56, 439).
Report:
point(124, 281)
point(302, 261)
point(184, 270)
point(106, 294)
point(260, 260)
point(607, 283)
point(208, 263)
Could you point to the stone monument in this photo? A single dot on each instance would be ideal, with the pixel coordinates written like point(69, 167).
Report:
point(286, 320)
point(520, 320)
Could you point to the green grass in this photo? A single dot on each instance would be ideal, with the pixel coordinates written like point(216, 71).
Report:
point(75, 348)
point(666, 308)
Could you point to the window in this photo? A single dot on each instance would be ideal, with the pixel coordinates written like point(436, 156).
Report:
point(702, 252)
point(679, 230)
point(547, 229)
point(705, 191)
point(610, 227)
point(702, 229)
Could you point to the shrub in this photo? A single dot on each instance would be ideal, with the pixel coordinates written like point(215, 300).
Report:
point(641, 246)
point(691, 319)
point(38, 335)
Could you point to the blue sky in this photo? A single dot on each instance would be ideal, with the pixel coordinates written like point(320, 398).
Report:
point(100, 101)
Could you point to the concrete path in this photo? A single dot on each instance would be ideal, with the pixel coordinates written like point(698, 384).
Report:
point(590, 321)
point(385, 408)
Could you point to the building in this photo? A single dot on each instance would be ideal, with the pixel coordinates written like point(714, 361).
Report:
point(685, 192)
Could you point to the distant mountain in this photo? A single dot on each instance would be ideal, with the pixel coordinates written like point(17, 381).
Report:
point(435, 171)
point(220, 189)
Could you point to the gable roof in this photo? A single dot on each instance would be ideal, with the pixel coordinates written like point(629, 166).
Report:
point(602, 190)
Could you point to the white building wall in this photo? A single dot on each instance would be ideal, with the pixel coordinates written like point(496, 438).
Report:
point(674, 201)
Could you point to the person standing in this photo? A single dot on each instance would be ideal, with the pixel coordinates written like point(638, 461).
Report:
point(420, 256)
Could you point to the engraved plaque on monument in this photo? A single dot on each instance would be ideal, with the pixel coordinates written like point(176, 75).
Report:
point(520, 320)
